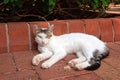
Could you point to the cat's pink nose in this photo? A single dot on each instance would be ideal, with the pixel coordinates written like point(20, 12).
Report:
point(42, 42)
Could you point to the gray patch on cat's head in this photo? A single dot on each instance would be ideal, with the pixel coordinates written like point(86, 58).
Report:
point(37, 30)
point(44, 30)
point(48, 32)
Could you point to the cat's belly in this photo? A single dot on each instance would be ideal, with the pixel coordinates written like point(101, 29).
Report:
point(72, 48)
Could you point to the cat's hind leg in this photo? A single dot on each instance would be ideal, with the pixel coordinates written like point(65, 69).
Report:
point(81, 58)
point(92, 62)
point(81, 66)
point(40, 57)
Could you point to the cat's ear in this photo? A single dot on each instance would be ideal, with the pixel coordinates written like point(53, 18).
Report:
point(50, 27)
point(35, 29)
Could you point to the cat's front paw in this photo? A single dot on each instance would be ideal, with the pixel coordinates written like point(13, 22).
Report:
point(46, 65)
point(36, 59)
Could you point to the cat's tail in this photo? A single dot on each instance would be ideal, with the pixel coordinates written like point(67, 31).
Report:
point(95, 62)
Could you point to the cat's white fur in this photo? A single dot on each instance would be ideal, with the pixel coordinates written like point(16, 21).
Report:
point(57, 47)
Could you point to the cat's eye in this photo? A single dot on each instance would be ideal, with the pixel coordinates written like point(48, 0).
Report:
point(39, 36)
point(48, 36)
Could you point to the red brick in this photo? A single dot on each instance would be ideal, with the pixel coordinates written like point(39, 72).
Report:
point(32, 30)
point(3, 40)
point(106, 29)
point(90, 76)
point(114, 61)
point(57, 72)
point(6, 64)
point(27, 75)
point(117, 42)
point(11, 76)
point(113, 53)
point(116, 25)
point(21, 75)
point(76, 26)
point(107, 72)
point(114, 46)
point(23, 60)
point(60, 27)
point(92, 27)
point(18, 35)
point(114, 50)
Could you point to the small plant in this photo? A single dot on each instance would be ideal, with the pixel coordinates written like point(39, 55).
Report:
point(55, 9)
point(49, 5)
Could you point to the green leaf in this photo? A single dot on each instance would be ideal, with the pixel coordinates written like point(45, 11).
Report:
point(6, 1)
point(51, 5)
point(12, 1)
point(80, 2)
point(94, 4)
point(48, 5)
point(105, 2)
point(17, 3)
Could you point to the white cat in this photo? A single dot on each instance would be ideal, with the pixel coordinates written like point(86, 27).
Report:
point(89, 49)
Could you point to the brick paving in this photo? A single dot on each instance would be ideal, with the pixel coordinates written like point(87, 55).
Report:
point(17, 66)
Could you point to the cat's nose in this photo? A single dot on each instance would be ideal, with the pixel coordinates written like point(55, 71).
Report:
point(42, 42)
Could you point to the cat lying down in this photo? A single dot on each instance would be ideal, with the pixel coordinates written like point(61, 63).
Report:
point(88, 49)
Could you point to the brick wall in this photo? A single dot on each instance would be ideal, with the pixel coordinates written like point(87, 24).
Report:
point(19, 36)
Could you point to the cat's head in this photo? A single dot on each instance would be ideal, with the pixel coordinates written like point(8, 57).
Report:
point(43, 35)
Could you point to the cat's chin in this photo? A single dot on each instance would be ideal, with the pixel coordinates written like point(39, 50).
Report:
point(42, 45)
